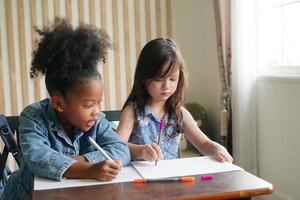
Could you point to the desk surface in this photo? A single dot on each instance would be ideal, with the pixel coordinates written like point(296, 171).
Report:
point(227, 185)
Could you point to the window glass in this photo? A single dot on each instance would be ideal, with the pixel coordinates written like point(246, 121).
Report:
point(278, 37)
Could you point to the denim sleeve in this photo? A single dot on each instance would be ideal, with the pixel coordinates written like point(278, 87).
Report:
point(109, 140)
point(35, 146)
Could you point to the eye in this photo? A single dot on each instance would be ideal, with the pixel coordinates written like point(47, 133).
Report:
point(87, 105)
point(174, 78)
point(100, 102)
point(158, 79)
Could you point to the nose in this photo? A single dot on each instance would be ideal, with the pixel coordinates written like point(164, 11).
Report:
point(166, 84)
point(96, 111)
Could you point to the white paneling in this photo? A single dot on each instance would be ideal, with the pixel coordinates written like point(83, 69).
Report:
point(111, 56)
point(163, 18)
point(75, 22)
point(98, 24)
point(142, 21)
point(63, 12)
point(98, 14)
point(5, 75)
point(28, 50)
point(278, 134)
point(133, 58)
point(17, 76)
point(39, 23)
point(121, 47)
point(51, 10)
point(86, 15)
point(75, 14)
point(153, 19)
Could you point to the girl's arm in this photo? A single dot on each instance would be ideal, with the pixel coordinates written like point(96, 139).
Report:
point(148, 151)
point(126, 123)
point(201, 141)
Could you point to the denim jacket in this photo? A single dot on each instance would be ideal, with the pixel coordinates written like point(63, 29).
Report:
point(47, 150)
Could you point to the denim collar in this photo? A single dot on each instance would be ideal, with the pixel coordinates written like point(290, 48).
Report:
point(56, 126)
point(148, 112)
point(53, 122)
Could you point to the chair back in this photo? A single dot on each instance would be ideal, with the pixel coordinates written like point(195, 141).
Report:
point(112, 115)
point(13, 122)
point(8, 126)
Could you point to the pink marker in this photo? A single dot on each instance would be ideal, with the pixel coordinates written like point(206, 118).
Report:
point(161, 129)
point(206, 177)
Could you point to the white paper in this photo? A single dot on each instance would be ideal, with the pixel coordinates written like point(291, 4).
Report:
point(182, 167)
point(146, 169)
point(127, 174)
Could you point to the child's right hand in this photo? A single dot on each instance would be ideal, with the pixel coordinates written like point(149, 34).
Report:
point(106, 170)
point(151, 152)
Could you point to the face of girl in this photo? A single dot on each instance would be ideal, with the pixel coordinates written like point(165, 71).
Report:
point(83, 105)
point(161, 88)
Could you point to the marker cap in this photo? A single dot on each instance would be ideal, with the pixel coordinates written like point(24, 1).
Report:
point(187, 179)
point(206, 177)
point(139, 180)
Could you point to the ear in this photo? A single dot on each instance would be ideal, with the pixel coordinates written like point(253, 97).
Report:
point(57, 102)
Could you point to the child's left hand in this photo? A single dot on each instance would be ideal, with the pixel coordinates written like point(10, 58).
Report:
point(221, 154)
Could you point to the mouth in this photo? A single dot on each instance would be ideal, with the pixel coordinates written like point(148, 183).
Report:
point(166, 94)
point(91, 123)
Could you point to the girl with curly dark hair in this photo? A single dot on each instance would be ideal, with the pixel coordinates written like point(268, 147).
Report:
point(52, 132)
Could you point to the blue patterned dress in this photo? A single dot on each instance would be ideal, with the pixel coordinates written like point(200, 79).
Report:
point(146, 131)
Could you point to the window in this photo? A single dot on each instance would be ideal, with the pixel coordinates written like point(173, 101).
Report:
point(278, 37)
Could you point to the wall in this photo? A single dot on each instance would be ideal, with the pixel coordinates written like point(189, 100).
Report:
point(130, 24)
point(278, 135)
point(145, 19)
point(194, 31)
point(277, 102)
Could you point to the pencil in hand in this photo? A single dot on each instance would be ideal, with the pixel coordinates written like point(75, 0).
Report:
point(99, 148)
point(161, 129)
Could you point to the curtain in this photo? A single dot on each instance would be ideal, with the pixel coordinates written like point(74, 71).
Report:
point(235, 28)
point(243, 84)
point(222, 18)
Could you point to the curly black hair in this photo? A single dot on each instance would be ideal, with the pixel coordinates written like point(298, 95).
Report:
point(68, 57)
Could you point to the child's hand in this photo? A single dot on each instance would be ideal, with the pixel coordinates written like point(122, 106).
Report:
point(151, 152)
point(106, 170)
point(221, 154)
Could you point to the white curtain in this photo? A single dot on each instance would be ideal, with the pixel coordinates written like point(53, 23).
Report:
point(243, 84)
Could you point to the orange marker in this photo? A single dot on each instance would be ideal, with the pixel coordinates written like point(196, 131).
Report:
point(173, 179)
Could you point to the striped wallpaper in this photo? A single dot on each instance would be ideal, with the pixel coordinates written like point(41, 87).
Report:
point(130, 23)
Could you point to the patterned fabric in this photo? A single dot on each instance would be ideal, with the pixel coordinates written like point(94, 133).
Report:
point(146, 131)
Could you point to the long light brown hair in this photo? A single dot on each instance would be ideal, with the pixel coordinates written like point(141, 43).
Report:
point(153, 57)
